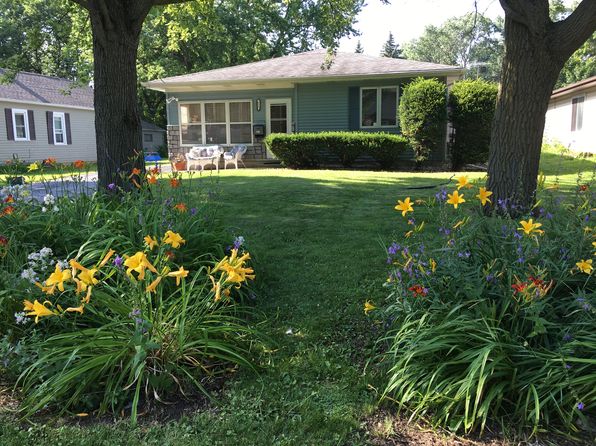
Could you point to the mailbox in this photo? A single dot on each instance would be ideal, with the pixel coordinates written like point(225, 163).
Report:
point(258, 130)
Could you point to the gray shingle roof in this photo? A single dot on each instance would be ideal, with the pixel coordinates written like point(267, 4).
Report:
point(36, 88)
point(308, 65)
point(150, 127)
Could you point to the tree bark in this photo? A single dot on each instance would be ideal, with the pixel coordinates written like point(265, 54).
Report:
point(535, 51)
point(528, 76)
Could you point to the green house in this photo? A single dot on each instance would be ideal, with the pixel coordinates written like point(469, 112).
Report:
point(306, 92)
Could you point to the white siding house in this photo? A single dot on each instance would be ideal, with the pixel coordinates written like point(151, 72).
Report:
point(571, 116)
point(43, 117)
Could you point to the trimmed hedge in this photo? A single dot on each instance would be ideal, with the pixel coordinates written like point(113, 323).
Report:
point(472, 104)
point(423, 116)
point(305, 150)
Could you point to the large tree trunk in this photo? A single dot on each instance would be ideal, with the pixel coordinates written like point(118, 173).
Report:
point(116, 28)
point(528, 77)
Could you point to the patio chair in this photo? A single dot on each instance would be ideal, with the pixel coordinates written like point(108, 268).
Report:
point(234, 156)
point(203, 156)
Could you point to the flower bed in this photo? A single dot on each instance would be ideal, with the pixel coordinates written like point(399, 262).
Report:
point(491, 319)
point(110, 301)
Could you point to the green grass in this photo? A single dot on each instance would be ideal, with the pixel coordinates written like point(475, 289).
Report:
point(316, 237)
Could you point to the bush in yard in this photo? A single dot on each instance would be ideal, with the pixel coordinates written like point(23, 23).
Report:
point(491, 319)
point(423, 116)
point(300, 150)
point(119, 299)
point(472, 105)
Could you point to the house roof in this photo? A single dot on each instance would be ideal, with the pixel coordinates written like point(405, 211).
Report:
point(575, 87)
point(150, 127)
point(308, 66)
point(36, 88)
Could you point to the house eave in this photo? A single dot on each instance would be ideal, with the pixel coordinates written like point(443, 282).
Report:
point(266, 83)
point(48, 104)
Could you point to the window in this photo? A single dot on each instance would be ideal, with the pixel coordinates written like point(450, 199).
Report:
point(378, 107)
point(577, 113)
point(59, 129)
point(224, 122)
point(20, 123)
point(147, 137)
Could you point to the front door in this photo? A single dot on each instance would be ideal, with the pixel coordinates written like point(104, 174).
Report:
point(279, 117)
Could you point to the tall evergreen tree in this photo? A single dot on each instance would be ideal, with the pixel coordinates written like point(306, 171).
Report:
point(359, 48)
point(391, 48)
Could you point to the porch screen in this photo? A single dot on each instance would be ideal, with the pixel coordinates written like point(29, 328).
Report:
point(226, 122)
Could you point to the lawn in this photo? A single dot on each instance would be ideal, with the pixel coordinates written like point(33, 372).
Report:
point(317, 238)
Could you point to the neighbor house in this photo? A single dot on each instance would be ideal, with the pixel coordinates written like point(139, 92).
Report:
point(154, 137)
point(571, 116)
point(46, 117)
point(296, 93)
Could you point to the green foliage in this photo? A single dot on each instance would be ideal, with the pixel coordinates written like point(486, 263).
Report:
point(303, 150)
point(391, 48)
point(132, 333)
point(472, 108)
point(423, 116)
point(490, 324)
point(473, 42)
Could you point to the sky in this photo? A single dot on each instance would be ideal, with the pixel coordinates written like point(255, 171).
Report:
point(407, 20)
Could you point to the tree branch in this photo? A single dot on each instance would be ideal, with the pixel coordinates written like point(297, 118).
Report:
point(571, 33)
point(533, 14)
point(168, 2)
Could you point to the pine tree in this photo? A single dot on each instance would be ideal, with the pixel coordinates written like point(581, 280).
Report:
point(391, 48)
point(359, 48)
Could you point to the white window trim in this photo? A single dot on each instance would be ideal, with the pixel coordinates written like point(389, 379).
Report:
point(581, 96)
point(269, 103)
point(19, 111)
point(62, 117)
point(379, 108)
point(203, 124)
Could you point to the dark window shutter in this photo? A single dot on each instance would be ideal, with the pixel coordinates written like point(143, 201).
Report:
point(354, 108)
point(50, 126)
point(9, 128)
point(31, 125)
point(68, 134)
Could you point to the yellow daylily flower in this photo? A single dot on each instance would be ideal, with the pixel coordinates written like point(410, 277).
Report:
point(459, 223)
point(455, 199)
point(585, 266)
point(138, 263)
point(150, 242)
point(216, 288)
point(463, 182)
point(181, 273)
point(404, 206)
point(529, 227)
point(78, 309)
point(38, 309)
point(32, 167)
point(433, 265)
point(57, 278)
point(173, 239)
point(153, 285)
point(106, 258)
point(483, 195)
point(368, 307)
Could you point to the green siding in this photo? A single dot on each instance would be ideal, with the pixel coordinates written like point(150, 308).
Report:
point(322, 106)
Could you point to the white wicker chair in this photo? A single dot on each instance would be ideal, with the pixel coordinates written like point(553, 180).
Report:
point(234, 156)
point(203, 156)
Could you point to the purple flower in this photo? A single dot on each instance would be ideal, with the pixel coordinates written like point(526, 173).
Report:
point(441, 195)
point(517, 235)
point(118, 261)
point(111, 186)
point(567, 366)
point(389, 260)
point(411, 221)
point(580, 406)
point(465, 254)
point(567, 337)
point(490, 277)
point(392, 250)
point(134, 313)
point(169, 201)
point(520, 260)
point(193, 211)
point(238, 242)
point(549, 216)
point(587, 218)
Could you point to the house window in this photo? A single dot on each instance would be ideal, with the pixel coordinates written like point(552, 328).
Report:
point(59, 129)
point(577, 113)
point(378, 107)
point(222, 122)
point(147, 137)
point(20, 124)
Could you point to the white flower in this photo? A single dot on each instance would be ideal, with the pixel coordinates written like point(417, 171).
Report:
point(43, 209)
point(49, 199)
point(63, 264)
point(29, 274)
point(45, 252)
point(21, 318)
point(56, 209)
